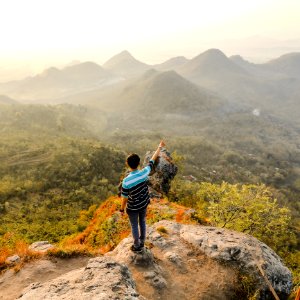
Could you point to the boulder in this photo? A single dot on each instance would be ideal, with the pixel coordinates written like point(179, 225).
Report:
point(242, 251)
point(164, 171)
point(41, 246)
point(12, 260)
point(103, 278)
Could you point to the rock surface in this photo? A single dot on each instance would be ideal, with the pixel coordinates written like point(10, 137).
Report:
point(41, 246)
point(244, 251)
point(11, 260)
point(164, 171)
point(180, 262)
point(12, 283)
point(179, 245)
point(102, 279)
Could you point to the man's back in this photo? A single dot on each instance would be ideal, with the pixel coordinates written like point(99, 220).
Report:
point(135, 188)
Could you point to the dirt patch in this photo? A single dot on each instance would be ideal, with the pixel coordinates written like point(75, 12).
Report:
point(12, 284)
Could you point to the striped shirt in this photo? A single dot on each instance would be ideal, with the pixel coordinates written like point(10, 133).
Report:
point(135, 188)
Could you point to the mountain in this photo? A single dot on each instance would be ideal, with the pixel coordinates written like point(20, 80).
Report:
point(166, 92)
point(256, 86)
point(54, 83)
point(240, 61)
point(213, 70)
point(163, 101)
point(124, 64)
point(87, 71)
point(258, 70)
point(7, 100)
point(211, 63)
point(152, 93)
point(171, 64)
point(288, 64)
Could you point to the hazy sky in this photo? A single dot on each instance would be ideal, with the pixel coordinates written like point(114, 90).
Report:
point(59, 31)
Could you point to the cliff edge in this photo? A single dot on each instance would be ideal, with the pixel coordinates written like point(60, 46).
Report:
point(179, 262)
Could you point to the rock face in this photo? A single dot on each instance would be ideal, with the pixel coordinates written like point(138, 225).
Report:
point(102, 279)
point(243, 251)
point(164, 171)
point(180, 262)
point(186, 251)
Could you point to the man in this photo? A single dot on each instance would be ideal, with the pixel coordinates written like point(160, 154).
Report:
point(135, 197)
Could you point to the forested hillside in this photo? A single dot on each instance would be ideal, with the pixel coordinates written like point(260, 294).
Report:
point(49, 172)
point(53, 150)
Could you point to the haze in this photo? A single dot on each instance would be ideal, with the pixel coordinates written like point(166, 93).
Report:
point(37, 34)
point(85, 83)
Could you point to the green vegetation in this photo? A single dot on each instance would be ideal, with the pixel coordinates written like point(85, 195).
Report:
point(250, 209)
point(47, 177)
point(43, 200)
point(59, 163)
point(162, 229)
point(247, 208)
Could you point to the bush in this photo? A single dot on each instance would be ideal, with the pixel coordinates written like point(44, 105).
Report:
point(250, 209)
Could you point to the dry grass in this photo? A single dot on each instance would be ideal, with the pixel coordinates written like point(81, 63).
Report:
point(21, 249)
point(72, 250)
point(162, 229)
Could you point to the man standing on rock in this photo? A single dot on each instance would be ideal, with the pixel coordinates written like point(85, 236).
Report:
point(135, 197)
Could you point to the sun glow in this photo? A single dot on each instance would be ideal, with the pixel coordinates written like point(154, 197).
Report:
point(52, 31)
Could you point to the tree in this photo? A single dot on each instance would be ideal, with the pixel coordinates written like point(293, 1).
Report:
point(247, 208)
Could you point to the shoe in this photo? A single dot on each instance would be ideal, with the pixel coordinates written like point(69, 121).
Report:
point(136, 249)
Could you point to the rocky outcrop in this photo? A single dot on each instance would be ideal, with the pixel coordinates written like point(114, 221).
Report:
point(179, 262)
point(241, 250)
point(180, 246)
point(103, 278)
point(164, 171)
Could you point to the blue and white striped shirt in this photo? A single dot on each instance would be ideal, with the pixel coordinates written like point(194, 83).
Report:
point(135, 188)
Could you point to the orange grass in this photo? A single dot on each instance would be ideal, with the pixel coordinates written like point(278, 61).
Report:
point(20, 248)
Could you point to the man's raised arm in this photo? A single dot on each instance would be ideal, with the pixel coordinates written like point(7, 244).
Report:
point(156, 153)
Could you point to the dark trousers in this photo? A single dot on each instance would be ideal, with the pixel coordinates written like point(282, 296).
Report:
point(138, 226)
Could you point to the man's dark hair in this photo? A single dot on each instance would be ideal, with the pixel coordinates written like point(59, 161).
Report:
point(133, 161)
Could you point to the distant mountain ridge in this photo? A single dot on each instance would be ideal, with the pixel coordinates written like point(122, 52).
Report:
point(171, 64)
point(153, 93)
point(54, 83)
point(288, 64)
point(124, 64)
point(210, 62)
point(7, 100)
point(273, 86)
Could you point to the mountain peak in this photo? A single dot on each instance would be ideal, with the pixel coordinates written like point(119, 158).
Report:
point(213, 54)
point(119, 58)
point(212, 62)
point(125, 64)
point(85, 66)
point(50, 72)
point(126, 54)
point(288, 64)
